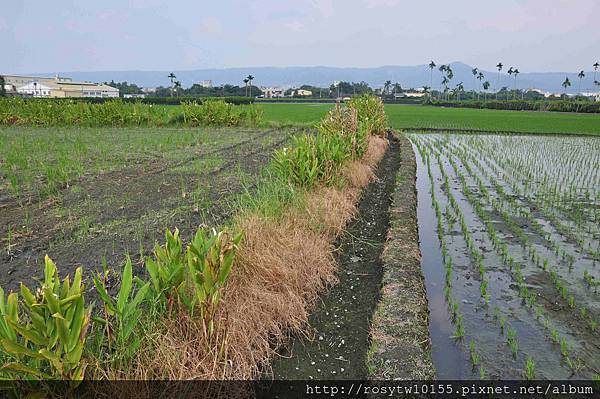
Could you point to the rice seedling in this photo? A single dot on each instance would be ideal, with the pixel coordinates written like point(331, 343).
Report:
point(564, 349)
point(482, 373)
point(475, 358)
point(459, 332)
point(530, 368)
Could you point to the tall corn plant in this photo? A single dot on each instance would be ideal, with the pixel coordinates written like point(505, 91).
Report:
point(48, 341)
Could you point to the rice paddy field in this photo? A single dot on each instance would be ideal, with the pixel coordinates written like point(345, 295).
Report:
point(509, 229)
point(418, 116)
point(87, 196)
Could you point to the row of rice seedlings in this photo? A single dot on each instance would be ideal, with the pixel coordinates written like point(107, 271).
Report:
point(552, 244)
point(530, 298)
point(575, 178)
point(511, 333)
point(538, 260)
point(546, 204)
point(457, 317)
point(540, 189)
point(526, 213)
point(477, 257)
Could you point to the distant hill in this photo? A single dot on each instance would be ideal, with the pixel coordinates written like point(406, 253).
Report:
point(407, 76)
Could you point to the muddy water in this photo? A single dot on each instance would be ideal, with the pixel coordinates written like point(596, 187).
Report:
point(450, 361)
point(481, 321)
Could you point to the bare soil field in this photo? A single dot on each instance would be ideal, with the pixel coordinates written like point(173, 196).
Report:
point(102, 214)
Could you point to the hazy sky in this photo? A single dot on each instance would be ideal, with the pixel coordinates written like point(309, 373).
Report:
point(86, 35)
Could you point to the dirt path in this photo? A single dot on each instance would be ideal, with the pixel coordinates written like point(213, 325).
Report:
point(338, 349)
point(401, 346)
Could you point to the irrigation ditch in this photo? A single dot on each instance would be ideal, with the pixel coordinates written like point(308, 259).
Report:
point(338, 345)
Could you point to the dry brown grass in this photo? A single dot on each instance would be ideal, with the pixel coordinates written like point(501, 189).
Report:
point(280, 269)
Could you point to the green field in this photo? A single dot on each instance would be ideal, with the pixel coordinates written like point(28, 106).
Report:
point(417, 116)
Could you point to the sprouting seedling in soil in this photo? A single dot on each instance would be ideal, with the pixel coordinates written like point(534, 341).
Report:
point(459, 332)
point(496, 312)
point(593, 325)
point(530, 368)
point(502, 323)
point(571, 301)
point(482, 373)
point(454, 310)
point(564, 349)
point(475, 359)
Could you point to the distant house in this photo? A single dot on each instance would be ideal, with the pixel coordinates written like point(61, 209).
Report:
point(409, 94)
point(206, 83)
point(57, 87)
point(273, 92)
point(303, 93)
point(134, 95)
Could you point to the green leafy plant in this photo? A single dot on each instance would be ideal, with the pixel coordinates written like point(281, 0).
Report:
point(530, 368)
point(48, 342)
point(210, 259)
point(121, 316)
point(167, 268)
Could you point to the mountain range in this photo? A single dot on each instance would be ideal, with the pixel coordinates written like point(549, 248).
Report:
point(408, 76)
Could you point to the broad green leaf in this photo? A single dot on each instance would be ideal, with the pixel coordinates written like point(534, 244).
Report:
point(18, 349)
point(103, 294)
point(21, 368)
point(29, 334)
point(126, 283)
point(28, 297)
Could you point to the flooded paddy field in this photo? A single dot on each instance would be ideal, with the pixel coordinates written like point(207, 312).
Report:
point(509, 229)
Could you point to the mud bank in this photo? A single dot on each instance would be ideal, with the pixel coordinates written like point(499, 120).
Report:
point(400, 342)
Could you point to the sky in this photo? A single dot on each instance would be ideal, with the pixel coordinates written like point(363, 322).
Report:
point(86, 35)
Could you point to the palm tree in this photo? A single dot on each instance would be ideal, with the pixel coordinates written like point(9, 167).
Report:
point(177, 85)
point(246, 80)
point(459, 88)
point(449, 72)
point(386, 87)
point(250, 79)
point(580, 75)
point(499, 66)
point(596, 65)
point(445, 82)
point(474, 72)
point(397, 88)
point(172, 77)
point(442, 69)
point(566, 84)
point(516, 72)
point(426, 89)
point(431, 66)
point(480, 77)
point(486, 86)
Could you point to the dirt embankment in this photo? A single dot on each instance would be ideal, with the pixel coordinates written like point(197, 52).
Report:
point(400, 342)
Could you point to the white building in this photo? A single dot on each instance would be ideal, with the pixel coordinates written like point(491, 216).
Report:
point(303, 93)
point(206, 83)
point(58, 87)
point(273, 92)
point(35, 89)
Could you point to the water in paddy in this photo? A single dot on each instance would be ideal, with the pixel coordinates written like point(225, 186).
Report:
point(487, 325)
